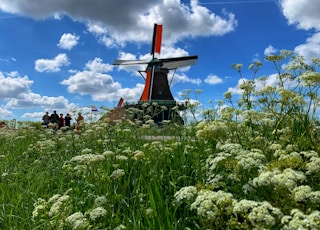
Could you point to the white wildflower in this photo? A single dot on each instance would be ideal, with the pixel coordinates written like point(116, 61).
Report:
point(57, 207)
point(122, 158)
point(211, 204)
point(39, 207)
point(97, 213)
point(54, 198)
point(186, 193)
point(120, 227)
point(275, 147)
point(108, 153)
point(260, 214)
point(100, 201)
point(299, 220)
point(87, 158)
point(138, 154)
point(301, 193)
point(117, 174)
point(86, 151)
point(287, 178)
point(313, 166)
point(77, 221)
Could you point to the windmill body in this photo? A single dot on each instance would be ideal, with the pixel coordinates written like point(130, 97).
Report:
point(156, 99)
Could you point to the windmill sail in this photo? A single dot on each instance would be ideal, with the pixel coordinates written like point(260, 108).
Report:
point(157, 38)
point(156, 88)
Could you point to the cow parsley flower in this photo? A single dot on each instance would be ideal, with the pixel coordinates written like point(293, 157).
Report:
point(59, 205)
point(122, 158)
point(77, 221)
point(117, 174)
point(39, 208)
point(287, 178)
point(108, 153)
point(97, 213)
point(299, 220)
point(87, 158)
point(185, 194)
point(313, 166)
point(275, 147)
point(261, 215)
point(211, 205)
point(100, 201)
point(138, 154)
point(301, 193)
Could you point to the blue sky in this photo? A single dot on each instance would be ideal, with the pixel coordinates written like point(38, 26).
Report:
point(58, 55)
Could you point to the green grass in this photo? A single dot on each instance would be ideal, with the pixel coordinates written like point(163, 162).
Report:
point(250, 164)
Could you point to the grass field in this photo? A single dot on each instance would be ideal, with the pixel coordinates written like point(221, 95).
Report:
point(250, 163)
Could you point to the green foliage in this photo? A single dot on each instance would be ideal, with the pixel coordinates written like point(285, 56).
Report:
point(251, 162)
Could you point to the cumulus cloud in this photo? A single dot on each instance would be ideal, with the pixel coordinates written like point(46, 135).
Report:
point(16, 93)
point(32, 100)
point(5, 113)
point(52, 65)
point(68, 41)
point(270, 50)
point(303, 13)
point(12, 85)
point(183, 78)
point(213, 80)
point(98, 66)
point(93, 81)
point(117, 22)
point(311, 49)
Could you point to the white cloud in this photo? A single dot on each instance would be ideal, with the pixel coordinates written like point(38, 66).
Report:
point(68, 41)
point(303, 13)
point(52, 65)
point(177, 78)
point(32, 100)
point(5, 113)
point(16, 94)
point(118, 22)
point(97, 28)
point(93, 81)
point(311, 49)
point(12, 85)
point(89, 82)
point(213, 80)
point(97, 65)
point(270, 50)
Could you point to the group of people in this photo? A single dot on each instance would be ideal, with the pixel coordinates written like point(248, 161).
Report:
point(60, 121)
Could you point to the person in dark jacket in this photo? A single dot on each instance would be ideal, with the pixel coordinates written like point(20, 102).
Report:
point(67, 120)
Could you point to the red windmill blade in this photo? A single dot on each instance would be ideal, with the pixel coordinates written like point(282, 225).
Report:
point(156, 41)
point(156, 85)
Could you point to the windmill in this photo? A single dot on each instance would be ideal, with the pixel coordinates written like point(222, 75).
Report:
point(156, 93)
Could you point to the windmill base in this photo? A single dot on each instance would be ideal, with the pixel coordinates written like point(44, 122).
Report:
point(158, 111)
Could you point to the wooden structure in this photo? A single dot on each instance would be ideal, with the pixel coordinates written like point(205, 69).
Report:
point(156, 93)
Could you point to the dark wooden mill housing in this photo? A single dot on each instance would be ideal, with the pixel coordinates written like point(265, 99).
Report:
point(156, 99)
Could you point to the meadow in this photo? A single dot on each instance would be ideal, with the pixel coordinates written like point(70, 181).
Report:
point(249, 163)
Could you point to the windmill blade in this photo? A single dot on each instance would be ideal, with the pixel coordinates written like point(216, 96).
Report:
point(130, 62)
point(173, 63)
point(156, 40)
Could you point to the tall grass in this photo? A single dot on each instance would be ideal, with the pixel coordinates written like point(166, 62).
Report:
point(252, 162)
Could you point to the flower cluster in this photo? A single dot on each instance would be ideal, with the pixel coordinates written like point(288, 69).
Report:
point(260, 215)
point(212, 205)
point(216, 130)
point(186, 194)
point(299, 220)
point(288, 178)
